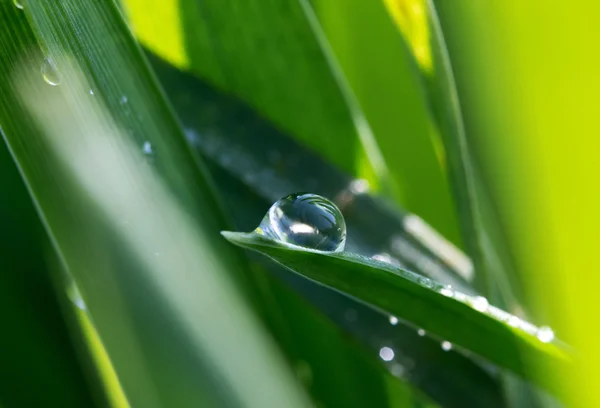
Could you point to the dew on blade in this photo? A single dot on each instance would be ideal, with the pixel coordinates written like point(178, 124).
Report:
point(446, 345)
point(18, 4)
point(545, 334)
point(50, 72)
point(306, 220)
point(386, 354)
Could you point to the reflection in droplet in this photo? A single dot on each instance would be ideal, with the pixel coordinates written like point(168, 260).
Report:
point(393, 320)
point(386, 354)
point(92, 92)
point(446, 345)
point(18, 4)
point(421, 332)
point(480, 303)
point(545, 334)
point(306, 220)
point(50, 72)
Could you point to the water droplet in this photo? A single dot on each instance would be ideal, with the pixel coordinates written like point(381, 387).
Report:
point(446, 345)
point(545, 334)
point(92, 92)
point(50, 72)
point(18, 4)
point(147, 148)
point(123, 100)
point(428, 283)
point(386, 354)
point(393, 320)
point(447, 291)
point(76, 297)
point(359, 186)
point(306, 220)
point(421, 332)
point(514, 321)
point(480, 303)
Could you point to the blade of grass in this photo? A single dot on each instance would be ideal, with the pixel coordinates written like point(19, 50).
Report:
point(75, 156)
point(381, 73)
point(491, 333)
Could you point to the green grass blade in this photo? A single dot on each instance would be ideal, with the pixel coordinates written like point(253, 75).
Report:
point(136, 232)
point(381, 73)
point(491, 333)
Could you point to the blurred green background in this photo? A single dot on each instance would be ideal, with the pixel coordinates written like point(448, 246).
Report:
point(456, 138)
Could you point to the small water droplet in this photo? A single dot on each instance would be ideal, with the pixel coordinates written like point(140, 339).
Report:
point(359, 186)
point(480, 303)
point(545, 334)
point(393, 320)
point(428, 283)
point(18, 4)
point(514, 321)
point(76, 297)
point(446, 345)
point(306, 220)
point(123, 100)
point(447, 291)
point(421, 332)
point(92, 92)
point(386, 354)
point(147, 148)
point(50, 72)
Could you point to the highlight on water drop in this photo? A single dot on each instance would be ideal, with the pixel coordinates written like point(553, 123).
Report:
point(393, 320)
point(386, 354)
point(446, 345)
point(306, 220)
point(18, 4)
point(50, 72)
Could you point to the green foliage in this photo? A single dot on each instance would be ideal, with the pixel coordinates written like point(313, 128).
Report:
point(125, 166)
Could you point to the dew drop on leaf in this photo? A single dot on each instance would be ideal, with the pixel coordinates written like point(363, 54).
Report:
point(421, 332)
point(480, 303)
point(306, 220)
point(447, 291)
point(18, 4)
point(393, 320)
point(50, 72)
point(545, 334)
point(386, 354)
point(446, 345)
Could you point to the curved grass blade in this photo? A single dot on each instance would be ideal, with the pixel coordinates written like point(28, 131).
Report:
point(490, 333)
